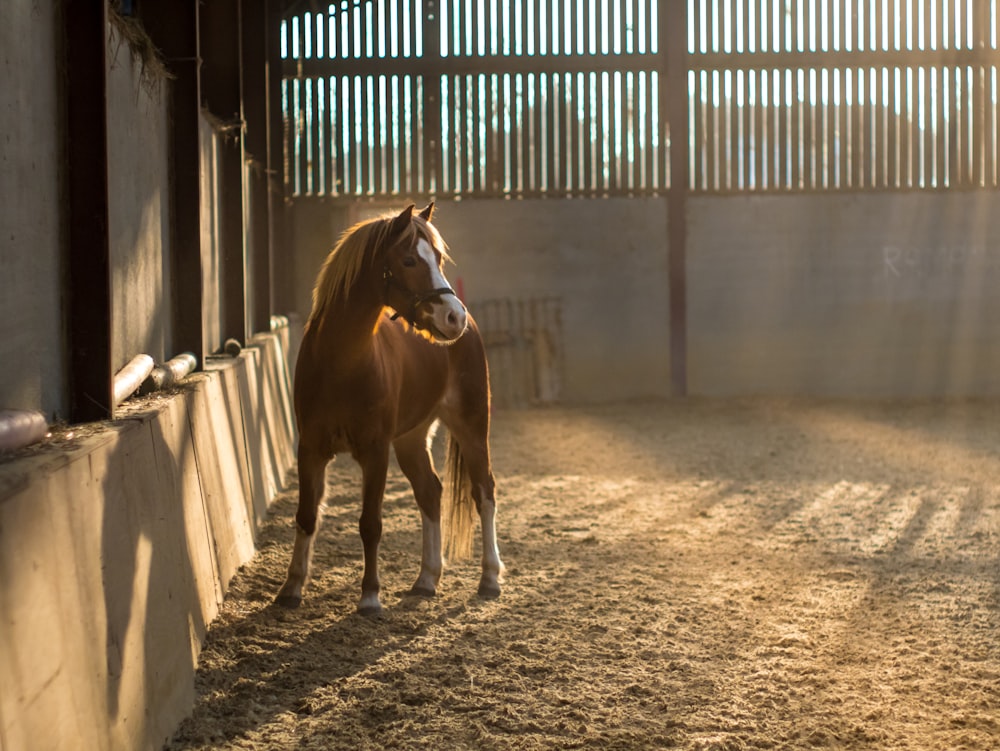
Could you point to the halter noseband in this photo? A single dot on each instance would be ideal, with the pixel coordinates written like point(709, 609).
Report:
point(416, 298)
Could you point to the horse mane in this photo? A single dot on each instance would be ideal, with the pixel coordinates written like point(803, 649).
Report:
point(357, 245)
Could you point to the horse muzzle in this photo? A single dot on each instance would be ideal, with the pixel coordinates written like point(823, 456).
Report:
point(446, 320)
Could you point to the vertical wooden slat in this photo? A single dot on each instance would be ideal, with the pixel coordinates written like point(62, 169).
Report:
point(492, 135)
point(956, 89)
point(702, 104)
point(782, 119)
point(906, 127)
point(893, 136)
point(734, 135)
point(760, 125)
point(431, 122)
point(843, 130)
point(795, 131)
point(540, 140)
point(552, 94)
point(977, 148)
point(586, 137)
point(637, 146)
point(861, 134)
point(928, 165)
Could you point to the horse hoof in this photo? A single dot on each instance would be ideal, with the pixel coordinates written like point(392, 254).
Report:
point(489, 591)
point(370, 611)
point(288, 601)
point(416, 591)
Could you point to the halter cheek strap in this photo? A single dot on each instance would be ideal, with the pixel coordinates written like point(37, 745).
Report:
point(416, 298)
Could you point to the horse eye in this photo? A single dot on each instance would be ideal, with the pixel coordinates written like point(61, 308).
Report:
point(409, 262)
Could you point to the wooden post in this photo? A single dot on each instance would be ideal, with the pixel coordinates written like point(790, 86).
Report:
point(88, 282)
point(673, 20)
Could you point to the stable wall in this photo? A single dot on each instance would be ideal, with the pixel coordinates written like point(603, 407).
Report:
point(31, 218)
point(858, 295)
point(855, 295)
point(138, 207)
point(117, 545)
point(604, 260)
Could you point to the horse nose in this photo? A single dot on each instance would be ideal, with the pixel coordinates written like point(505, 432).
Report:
point(456, 319)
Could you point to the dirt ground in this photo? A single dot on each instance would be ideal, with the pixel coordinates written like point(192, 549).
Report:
point(689, 574)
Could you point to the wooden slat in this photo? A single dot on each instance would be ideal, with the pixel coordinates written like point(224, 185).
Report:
point(906, 128)
point(893, 135)
point(634, 181)
point(844, 128)
point(783, 136)
point(759, 120)
point(859, 143)
point(977, 146)
point(538, 137)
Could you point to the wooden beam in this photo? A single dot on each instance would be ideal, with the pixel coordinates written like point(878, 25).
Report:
point(88, 281)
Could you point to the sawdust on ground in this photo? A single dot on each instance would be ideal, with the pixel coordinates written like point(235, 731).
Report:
point(752, 574)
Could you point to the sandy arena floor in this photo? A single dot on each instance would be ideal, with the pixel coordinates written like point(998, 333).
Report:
point(695, 575)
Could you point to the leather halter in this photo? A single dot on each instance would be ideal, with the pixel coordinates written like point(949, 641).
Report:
point(416, 298)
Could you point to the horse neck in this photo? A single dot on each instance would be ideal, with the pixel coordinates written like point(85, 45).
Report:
point(349, 321)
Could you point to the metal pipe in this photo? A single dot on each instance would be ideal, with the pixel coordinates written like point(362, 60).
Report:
point(20, 428)
point(169, 373)
point(129, 378)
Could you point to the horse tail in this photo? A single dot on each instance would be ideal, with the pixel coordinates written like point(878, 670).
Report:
point(458, 506)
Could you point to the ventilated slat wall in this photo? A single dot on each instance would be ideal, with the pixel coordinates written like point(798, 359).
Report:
point(850, 94)
point(564, 97)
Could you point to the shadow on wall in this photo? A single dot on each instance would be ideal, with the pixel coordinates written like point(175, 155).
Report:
point(150, 589)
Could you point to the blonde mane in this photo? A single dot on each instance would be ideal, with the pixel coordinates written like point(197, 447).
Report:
point(346, 261)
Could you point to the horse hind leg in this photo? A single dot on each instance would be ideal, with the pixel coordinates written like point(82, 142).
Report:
point(471, 469)
point(413, 455)
point(312, 482)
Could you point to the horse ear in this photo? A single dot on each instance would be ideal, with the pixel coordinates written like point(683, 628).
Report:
point(402, 221)
point(428, 212)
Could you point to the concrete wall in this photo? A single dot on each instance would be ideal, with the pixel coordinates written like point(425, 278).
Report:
point(139, 207)
point(117, 543)
point(825, 294)
point(31, 212)
point(604, 260)
point(846, 295)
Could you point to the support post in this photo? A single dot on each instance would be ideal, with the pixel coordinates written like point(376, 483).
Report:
point(673, 41)
point(88, 279)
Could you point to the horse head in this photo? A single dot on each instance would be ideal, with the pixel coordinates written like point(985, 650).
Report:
point(415, 285)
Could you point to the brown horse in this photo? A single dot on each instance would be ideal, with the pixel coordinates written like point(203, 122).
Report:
point(365, 381)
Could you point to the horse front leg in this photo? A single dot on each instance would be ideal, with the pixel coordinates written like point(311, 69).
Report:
point(414, 459)
point(374, 466)
point(312, 483)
